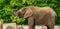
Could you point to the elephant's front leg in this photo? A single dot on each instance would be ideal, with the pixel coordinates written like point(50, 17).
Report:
point(31, 23)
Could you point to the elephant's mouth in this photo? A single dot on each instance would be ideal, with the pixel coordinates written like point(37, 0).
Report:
point(20, 15)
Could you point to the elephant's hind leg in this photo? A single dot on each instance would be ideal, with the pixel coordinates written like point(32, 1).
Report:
point(50, 26)
point(51, 23)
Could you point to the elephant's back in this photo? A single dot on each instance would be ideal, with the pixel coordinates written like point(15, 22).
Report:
point(49, 10)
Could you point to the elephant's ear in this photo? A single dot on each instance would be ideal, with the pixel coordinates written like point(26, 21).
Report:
point(28, 13)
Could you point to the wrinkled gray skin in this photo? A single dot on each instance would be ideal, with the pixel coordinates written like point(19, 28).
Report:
point(37, 15)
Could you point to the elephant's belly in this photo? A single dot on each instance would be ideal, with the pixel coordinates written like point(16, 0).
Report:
point(40, 22)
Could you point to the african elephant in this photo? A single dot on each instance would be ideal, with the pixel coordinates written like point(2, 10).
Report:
point(37, 15)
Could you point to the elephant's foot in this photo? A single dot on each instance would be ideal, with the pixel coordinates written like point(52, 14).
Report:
point(50, 27)
point(31, 27)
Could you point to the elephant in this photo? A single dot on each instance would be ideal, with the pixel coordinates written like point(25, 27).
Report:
point(37, 15)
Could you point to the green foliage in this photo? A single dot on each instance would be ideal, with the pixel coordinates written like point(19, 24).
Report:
point(6, 7)
point(17, 20)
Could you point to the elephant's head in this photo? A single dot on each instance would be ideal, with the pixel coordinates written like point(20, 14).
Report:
point(23, 12)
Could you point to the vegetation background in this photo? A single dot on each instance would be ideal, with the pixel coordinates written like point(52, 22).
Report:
point(6, 7)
